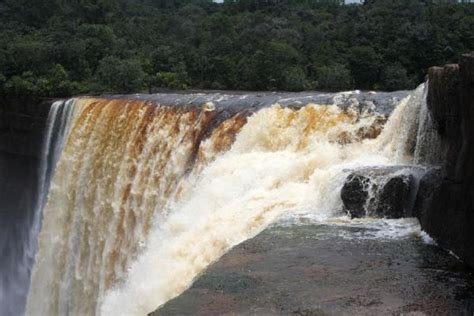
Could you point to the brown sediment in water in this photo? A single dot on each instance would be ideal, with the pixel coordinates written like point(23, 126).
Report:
point(126, 160)
point(122, 161)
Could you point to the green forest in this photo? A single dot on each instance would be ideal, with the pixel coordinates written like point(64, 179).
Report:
point(52, 48)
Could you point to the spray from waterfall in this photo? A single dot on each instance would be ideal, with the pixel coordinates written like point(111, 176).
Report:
point(20, 252)
point(146, 196)
point(57, 128)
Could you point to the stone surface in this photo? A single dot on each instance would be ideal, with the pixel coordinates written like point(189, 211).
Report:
point(443, 98)
point(428, 188)
point(354, 195)
point(380, 192)
point(395, 197)
point(329, 270)
point(448, 216)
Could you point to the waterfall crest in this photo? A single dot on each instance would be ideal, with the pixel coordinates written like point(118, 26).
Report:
point(145, 196)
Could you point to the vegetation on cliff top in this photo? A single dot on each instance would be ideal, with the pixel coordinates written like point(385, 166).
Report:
point(59, 48)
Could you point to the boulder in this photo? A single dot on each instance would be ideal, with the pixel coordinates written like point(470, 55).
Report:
point(395, 200)
point(381, 191)
point(354, 195)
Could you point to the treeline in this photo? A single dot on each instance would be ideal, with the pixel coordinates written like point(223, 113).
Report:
point(59, 47)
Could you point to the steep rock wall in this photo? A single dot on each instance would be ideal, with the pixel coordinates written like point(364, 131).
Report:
point(22, 125)
point(21, 133)
point(448, 212)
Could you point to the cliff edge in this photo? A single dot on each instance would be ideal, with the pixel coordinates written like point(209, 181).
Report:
point(448, 211)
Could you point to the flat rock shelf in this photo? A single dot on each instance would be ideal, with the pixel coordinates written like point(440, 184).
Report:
point(319, 269)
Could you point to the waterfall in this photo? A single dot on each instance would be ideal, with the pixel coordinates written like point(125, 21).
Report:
point(57, 127)
point(145, 196)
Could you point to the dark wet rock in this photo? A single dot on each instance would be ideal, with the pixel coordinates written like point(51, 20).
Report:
point(329, 270)
point(381, 191)
point(236, 101)
point(395, 197)
point(443, 95)
point(354, 195)
point(448, 215)
point(428, 189)
point(226, 283)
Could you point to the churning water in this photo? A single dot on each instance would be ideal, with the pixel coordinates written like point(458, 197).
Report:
point(146, 196)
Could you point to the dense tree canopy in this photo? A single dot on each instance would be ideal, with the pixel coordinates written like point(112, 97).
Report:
point(64, 47)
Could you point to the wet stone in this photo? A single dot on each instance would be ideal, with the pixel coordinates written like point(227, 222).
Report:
point(354, 194)
point(387, 192)
point(329, 270)
point(394, 200)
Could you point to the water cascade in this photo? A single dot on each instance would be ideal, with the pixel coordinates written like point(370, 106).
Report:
point(146, 195)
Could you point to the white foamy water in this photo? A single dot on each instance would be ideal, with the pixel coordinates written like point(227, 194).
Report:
point(134, 223)
point(361, 228)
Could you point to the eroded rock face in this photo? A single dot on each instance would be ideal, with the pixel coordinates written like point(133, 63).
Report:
point(395, 199)
point(354, 195)
point(21, 134)
point(447, 214)
point(381, 191)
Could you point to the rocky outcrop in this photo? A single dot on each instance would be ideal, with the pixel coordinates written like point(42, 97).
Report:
point(381, 191)
point(328, 270)
point(446, 200)
point(395, 198)
point(354, 195)
point(22, 124)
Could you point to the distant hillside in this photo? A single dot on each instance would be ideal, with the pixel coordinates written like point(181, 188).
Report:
point(57, 48)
